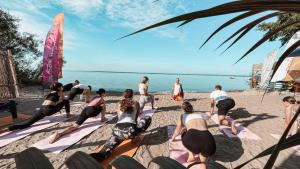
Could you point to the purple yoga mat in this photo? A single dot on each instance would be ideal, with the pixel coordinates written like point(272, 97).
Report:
point(48, 121)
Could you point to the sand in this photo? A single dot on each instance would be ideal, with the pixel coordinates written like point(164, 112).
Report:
point(261, 118)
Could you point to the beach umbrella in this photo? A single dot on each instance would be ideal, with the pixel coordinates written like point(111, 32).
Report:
point(289, 70)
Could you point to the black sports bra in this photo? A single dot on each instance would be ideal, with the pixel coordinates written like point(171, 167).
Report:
point(52, 97)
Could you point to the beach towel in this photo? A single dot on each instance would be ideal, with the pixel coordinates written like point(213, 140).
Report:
point(296, 148)
point(4, 121)
point(243, 132)
point(90, 125)
point(177, 151)
point(48, 121)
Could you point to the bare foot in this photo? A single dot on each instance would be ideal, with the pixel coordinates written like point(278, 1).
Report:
point(103, 119)
point(55, 137)
point(233, 128)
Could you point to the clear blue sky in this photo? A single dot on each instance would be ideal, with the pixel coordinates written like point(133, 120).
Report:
point(91, 26)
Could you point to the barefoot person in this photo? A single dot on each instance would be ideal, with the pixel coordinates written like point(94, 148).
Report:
point(289, 103)
point(53, 103)
point(80, 89)
point(224, 103)
point(177, 91)
point(95, 107)
point(145, 97)
point(127, 127)
point(195, 135)
point(11, 106)
point(69, 86)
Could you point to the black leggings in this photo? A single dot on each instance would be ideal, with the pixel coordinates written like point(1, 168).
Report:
point(44, 111)
point(11, 106)
point(121, 132)
point(74, 92)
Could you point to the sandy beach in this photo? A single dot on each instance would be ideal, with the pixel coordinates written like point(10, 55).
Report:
point(261, 118)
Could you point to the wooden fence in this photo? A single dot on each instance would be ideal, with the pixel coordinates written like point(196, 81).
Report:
point(8, 79)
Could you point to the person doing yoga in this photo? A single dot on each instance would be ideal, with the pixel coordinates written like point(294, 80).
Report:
point(127, 127)
point(289, 103)
point(80, 89)
point(194, 134)
point(145, 97)
point(177, 91)
point(52, 104)
point(68, 87)
point(95, 107)
point(224, 103)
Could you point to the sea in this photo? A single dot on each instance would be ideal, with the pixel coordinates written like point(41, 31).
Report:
point(158, 82)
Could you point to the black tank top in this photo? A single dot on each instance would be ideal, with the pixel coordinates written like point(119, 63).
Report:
point(52, 97)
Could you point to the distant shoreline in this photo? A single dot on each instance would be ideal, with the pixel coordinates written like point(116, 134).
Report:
point(186, 74)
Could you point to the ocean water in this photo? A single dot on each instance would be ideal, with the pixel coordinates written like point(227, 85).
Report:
point(114, 81)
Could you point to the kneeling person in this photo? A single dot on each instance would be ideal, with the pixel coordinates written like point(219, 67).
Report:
point(127, 126)
point(95, 107)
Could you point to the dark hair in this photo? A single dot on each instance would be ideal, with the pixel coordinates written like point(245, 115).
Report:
point(76, 81)
point(289, 99)
point(218, 87)
point(90, 87)
point(187, 107)
point(55, 86)
point(101, 91)
point(126, 105)
point(145, 79)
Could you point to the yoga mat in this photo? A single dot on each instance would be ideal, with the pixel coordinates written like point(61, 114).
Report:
point(4, 121)
point(48, 121)
point(90, 125)
point(177, 151)
point(127, 147)
point(147, 111)
point(296, 148)
point(78, 103)
point(243, 132)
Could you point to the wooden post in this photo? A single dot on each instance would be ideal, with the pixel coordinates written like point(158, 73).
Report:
point(14, 74)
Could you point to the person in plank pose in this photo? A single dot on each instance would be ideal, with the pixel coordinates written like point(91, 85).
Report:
point(145, 97)
point(95, 107)
point(127, 127)
point(289, 103)
point(52, 104)
point(80, 89)
point(177, 91)
point(194, 134)
point(68, 87)
point(224, 103)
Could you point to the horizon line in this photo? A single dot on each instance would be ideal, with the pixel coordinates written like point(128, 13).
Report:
point(162, 73)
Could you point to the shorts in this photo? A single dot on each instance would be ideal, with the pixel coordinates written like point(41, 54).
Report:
point(199, 142)
point(224, 106)
point(88, 112)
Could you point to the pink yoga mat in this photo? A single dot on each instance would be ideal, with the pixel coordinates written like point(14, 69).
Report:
point(296, 148)
point(48, 121)
point(90, 125)
point(177, 151)
point(243, 132)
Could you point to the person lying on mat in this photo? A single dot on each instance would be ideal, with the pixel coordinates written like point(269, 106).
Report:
point(224, 103)
point(10, 105)
point(80, 89)
point(127, 127)
point(145, 97)
point(52, 104)
point(95, 107)
point(289, 103)
point(195, 135)
point(68, 87)
point(177, 91)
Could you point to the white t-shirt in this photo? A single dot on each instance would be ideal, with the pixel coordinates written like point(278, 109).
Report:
point(82, 86)
point(176, 89)
point(218, 95)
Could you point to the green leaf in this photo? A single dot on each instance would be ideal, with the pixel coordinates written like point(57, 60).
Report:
point(32, 158)
point(125, 162)
point(166, 163)
point(81, 160)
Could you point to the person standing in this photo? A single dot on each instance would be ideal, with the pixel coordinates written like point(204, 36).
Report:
point(145, 97)
point(224, 103)
point(289, 103)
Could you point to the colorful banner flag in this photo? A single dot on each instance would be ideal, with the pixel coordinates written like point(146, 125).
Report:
point(52, 58)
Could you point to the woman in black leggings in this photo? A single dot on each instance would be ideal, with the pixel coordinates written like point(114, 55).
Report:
point(127, 126)
point(53, 103)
